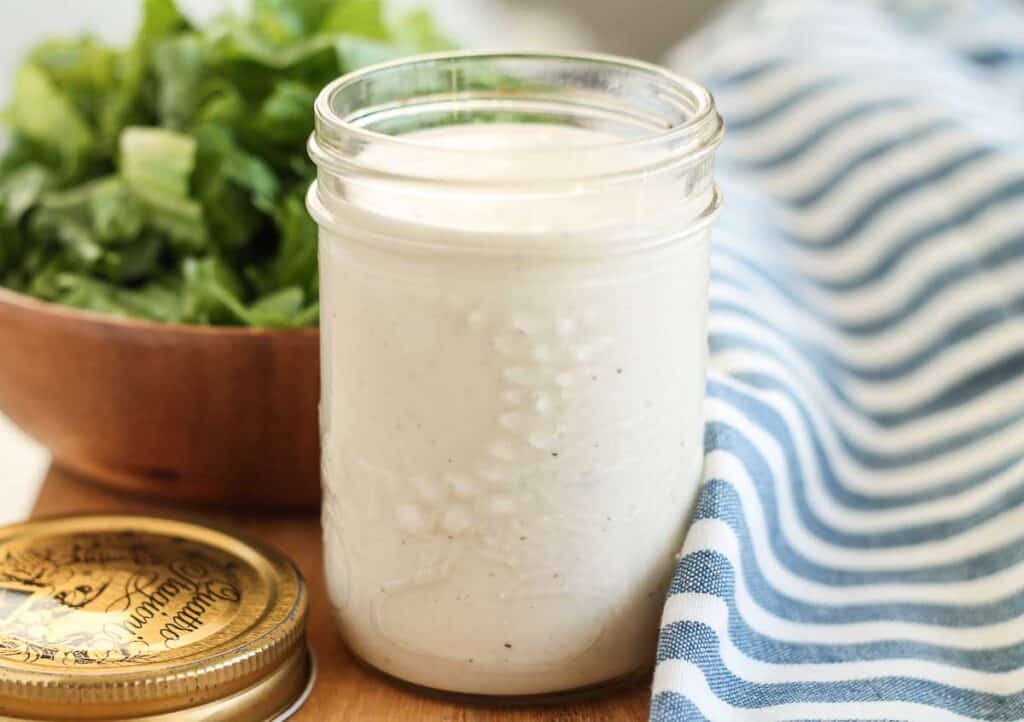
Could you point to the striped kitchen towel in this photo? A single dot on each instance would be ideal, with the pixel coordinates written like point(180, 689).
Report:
point(857, 552)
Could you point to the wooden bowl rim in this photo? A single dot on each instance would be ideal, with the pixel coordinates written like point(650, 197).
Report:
point(24, 302)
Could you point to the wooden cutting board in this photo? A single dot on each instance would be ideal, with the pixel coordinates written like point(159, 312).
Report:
point(345, 691)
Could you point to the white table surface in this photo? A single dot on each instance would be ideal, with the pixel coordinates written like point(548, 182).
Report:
point(22, 466)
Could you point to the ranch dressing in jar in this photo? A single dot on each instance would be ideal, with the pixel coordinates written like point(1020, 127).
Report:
point(514, 272)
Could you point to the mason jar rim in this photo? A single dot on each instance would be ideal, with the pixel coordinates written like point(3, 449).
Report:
point(705, 125)
point(664, 127)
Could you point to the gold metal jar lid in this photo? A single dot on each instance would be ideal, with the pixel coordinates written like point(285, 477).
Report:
point(139, 618)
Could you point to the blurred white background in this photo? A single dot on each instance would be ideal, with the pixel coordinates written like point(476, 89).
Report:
point(638, 28)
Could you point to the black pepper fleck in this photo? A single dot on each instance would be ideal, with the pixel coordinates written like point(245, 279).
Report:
point(507, 645)
point(618, 371)
point(522, 538)
point(554, 453)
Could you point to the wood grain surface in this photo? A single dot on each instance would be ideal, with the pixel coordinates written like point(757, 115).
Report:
point(345, 691)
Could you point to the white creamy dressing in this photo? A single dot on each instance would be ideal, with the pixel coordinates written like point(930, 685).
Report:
point(512, 442)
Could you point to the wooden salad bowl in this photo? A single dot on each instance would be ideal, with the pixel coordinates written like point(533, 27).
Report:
point(200, 414)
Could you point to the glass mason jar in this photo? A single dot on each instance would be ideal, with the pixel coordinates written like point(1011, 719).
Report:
point(514, 275)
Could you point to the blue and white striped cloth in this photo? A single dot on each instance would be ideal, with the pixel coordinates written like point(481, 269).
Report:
point(857, 552)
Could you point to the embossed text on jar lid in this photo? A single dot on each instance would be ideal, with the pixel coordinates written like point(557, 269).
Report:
point(139, 618)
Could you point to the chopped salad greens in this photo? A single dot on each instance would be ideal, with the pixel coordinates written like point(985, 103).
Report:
point(166, 180)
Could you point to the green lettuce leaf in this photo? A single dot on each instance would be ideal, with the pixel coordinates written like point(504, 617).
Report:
point(156, 165)
point(46, 115)
point(166, 180)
